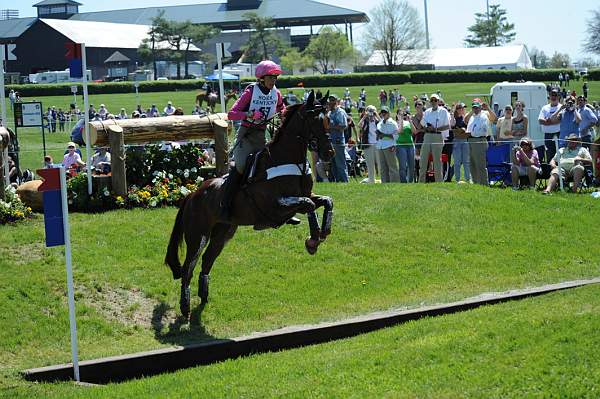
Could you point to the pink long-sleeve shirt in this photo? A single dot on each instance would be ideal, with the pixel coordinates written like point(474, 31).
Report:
point(239, 111)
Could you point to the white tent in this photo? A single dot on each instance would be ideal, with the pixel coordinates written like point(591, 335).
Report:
point(507, 57)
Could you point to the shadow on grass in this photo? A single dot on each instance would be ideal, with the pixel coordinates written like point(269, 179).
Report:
point(179, 331)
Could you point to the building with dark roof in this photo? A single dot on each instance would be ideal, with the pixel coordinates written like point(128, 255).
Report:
point(40, 45)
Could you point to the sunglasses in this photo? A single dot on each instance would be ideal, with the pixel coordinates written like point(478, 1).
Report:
point(433, 100)
point(71, 148)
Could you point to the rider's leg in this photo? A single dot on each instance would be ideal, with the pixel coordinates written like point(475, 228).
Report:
point(232, 184)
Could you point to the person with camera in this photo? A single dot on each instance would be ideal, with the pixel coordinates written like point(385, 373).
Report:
point(525, 162)
point(387, 132)
point(550, 127)
point(588, 121)
point(569, 119)
point(436, 120)
point(405, 147)
point(368, 139)
point(338, 122)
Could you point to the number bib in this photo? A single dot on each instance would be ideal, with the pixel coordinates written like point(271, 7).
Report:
point(266, 104)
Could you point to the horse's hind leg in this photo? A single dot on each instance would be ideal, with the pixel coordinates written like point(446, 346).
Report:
point(220, 234)
point(195, 245)
point(327, 204)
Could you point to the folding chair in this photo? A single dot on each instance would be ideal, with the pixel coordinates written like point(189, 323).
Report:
point(542, 177)
point(498, 165)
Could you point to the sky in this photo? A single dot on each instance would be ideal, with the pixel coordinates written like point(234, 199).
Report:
point(548, 25)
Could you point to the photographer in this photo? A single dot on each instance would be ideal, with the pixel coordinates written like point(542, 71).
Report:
point(368, 139)
point(387, 133)
point(569, 119)
point(588, 121)
point(525, 162)
point(436, 119)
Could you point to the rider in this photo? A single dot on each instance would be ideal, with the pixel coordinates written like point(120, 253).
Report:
point(259, 102)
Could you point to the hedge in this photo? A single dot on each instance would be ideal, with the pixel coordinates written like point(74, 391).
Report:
point(61, 89)
point(348, 79)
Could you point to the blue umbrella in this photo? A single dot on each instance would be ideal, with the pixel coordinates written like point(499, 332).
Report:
point(226, 76)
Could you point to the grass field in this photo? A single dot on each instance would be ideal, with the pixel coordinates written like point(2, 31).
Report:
point(392, 246)
point(31, 140)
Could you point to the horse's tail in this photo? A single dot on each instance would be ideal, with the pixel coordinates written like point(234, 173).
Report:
point(172, 256)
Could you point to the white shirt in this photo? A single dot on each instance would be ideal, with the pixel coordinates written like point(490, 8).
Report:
point(387, 127)
point(545, 113)
point(438, 118)
point(478, 125)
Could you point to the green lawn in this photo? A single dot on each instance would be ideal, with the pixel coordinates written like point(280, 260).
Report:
point(31, 140)
point(539, 347)
point(392, 246)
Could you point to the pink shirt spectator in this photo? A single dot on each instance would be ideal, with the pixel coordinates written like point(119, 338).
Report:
point(71, 159)
point(533, 155)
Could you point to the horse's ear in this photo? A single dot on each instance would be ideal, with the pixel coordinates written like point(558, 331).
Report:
point(325, 98)
point(310, 101)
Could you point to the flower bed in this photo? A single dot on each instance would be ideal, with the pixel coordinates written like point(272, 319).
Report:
point(12, 209)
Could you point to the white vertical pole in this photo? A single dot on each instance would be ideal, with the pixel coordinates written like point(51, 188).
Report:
point(88, 147)
point(426, 25)
point(3, 114)
point(220, 65)
point(560, 177)
point(70, 291)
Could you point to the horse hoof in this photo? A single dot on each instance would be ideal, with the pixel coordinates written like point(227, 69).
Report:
point(311, 245)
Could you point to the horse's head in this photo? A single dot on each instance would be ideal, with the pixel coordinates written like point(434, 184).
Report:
point(314, 114)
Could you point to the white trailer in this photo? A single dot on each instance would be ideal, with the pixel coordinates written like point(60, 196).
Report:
point(532, 94)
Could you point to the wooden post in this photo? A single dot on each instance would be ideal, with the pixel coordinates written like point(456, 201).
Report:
point(4, 141)
point(221, 149)
point(117, 160)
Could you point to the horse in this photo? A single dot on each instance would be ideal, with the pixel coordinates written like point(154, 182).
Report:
point(277, 185)
point(212, 99)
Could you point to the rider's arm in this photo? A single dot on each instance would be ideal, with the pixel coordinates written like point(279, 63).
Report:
point(280, 108)
point(239, 111)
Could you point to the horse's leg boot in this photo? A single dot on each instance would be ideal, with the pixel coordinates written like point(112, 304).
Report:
point(231, 187)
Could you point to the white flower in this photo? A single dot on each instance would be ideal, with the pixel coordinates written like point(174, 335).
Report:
point(106, 193)
point(170, 176)
point(155, 173)
point(199, 180)
point(179, 171)
point(184, 190)
point(186, 174)
point(193, 170)
point(153, 203)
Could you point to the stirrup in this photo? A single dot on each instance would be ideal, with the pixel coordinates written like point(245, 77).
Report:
point(293, 221)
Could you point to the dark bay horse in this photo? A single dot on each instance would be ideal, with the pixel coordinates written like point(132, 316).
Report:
point(279, 185)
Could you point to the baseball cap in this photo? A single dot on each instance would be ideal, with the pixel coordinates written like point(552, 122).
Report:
point(572, 136)
point(384, 109)
point(434, 96)
point(332, 97)
point(476, 104)
point(554, 91)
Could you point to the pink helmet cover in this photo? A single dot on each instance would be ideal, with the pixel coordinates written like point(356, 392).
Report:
point(267, 67)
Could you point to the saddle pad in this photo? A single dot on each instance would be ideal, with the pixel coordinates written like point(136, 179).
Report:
point(290, 169)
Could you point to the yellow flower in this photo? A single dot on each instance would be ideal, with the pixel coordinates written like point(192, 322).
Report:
point(119, 198)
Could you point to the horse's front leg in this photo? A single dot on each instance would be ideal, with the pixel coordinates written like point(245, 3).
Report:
point(293, 205)
point(327, 204)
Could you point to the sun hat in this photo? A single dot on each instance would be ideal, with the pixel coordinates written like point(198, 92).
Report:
point(572, 136)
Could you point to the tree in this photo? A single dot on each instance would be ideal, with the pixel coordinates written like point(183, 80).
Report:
point(328, 48)
point(592, 43)
point(293, 59)
point(490, 30)
point(559, 60)
point(148, 49)
point(195, 34)
point(539, 59)
point(395, 25)
point(263, 40)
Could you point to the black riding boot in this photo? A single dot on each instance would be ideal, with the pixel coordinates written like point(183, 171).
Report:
point(231, 187)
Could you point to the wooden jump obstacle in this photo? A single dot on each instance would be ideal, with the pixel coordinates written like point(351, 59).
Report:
point(5, 137)
point(117, 133)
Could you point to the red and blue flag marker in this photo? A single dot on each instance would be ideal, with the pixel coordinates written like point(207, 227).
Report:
point(56, 222)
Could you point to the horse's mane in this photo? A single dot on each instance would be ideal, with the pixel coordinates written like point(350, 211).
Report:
point(285, 118)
